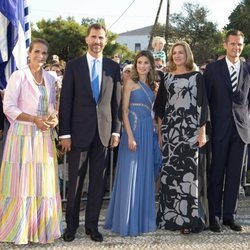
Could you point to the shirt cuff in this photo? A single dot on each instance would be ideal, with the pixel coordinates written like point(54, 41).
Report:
point(116, 134)
point(64, 136)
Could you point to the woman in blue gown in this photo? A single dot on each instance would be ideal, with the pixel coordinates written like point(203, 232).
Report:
point(131, 210)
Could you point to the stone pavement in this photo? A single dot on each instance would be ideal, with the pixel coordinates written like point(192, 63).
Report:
point(161, 239)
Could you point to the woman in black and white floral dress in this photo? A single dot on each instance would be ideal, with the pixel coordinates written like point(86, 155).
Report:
point(182, 112)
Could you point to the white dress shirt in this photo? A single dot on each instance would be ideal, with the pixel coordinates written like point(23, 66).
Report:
point(90, 60)
point(236, 66)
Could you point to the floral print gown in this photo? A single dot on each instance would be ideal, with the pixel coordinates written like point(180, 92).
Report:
point(181, 103)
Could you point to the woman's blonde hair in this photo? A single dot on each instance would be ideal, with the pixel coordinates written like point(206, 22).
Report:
point(189, 60)
point(151, 74)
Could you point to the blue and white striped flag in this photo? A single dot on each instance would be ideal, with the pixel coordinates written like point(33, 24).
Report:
point(13, 45)
point(27, 28)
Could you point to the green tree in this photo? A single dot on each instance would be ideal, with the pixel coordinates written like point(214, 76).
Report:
point(240, 19)
point(88, 21)
point(201, 34)
point(193, 26)
point(246, 52)
point(67, 37)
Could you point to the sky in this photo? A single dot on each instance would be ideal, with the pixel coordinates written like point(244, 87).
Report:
point(139, 14)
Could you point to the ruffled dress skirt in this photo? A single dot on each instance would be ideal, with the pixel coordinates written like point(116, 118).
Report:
point(30, 203)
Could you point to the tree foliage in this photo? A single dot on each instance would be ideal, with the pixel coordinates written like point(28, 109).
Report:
point(201, 34)
point(66, 37)
point(240, 19)
point(88, 21)
point(192, 26)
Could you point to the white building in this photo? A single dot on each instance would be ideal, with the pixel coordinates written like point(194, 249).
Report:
point(135, 40)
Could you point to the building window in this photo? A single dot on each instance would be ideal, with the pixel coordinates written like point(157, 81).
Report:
point(137, 47)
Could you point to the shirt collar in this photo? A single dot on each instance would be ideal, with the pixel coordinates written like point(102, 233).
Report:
point(230, 64)
point(91, 58)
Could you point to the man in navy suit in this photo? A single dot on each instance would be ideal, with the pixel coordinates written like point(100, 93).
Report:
point(230, 119)
point(89, 124)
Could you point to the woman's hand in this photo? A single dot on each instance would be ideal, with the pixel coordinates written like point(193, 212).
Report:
point(41, 123)
point(160, 140)
point(202, 140)
point(52, 122)
point(132, 144)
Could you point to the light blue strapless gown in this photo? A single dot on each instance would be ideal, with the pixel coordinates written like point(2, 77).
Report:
point(131, 210)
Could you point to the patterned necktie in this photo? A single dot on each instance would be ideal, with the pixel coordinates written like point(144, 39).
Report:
point(95, 82)
point(233, 78)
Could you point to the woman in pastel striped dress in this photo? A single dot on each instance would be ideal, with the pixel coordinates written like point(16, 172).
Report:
point(30, 203)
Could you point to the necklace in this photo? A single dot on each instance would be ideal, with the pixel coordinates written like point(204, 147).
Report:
point(37, 82)
point(36, 76)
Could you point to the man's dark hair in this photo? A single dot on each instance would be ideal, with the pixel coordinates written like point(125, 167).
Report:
point(96, 26)
point(234, 32)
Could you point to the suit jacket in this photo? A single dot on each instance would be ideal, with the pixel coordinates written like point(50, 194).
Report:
point(22, 94)
point(79, 115)
point(225, 105)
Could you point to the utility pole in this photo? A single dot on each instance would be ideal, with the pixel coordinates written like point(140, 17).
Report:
point(156, 21)
point(167, 26)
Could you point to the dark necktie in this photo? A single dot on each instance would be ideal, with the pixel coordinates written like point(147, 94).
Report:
point(95, 82)
point(234, 78)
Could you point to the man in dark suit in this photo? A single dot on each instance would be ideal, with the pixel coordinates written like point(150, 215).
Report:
point(228, 89)
point(89, 124)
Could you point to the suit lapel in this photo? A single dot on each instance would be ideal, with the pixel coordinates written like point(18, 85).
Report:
point(226, 74)
point(30, 79)
point(84, 74)
point(242, 75)
point(104, 82)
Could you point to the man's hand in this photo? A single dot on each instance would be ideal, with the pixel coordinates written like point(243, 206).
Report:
point(114, 141)
point(65, 144)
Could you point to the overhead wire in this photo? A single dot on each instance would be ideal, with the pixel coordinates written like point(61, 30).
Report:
point(109, 26)
point(121, 15)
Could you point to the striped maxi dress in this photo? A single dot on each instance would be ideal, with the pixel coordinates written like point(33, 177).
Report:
point(30, 203)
